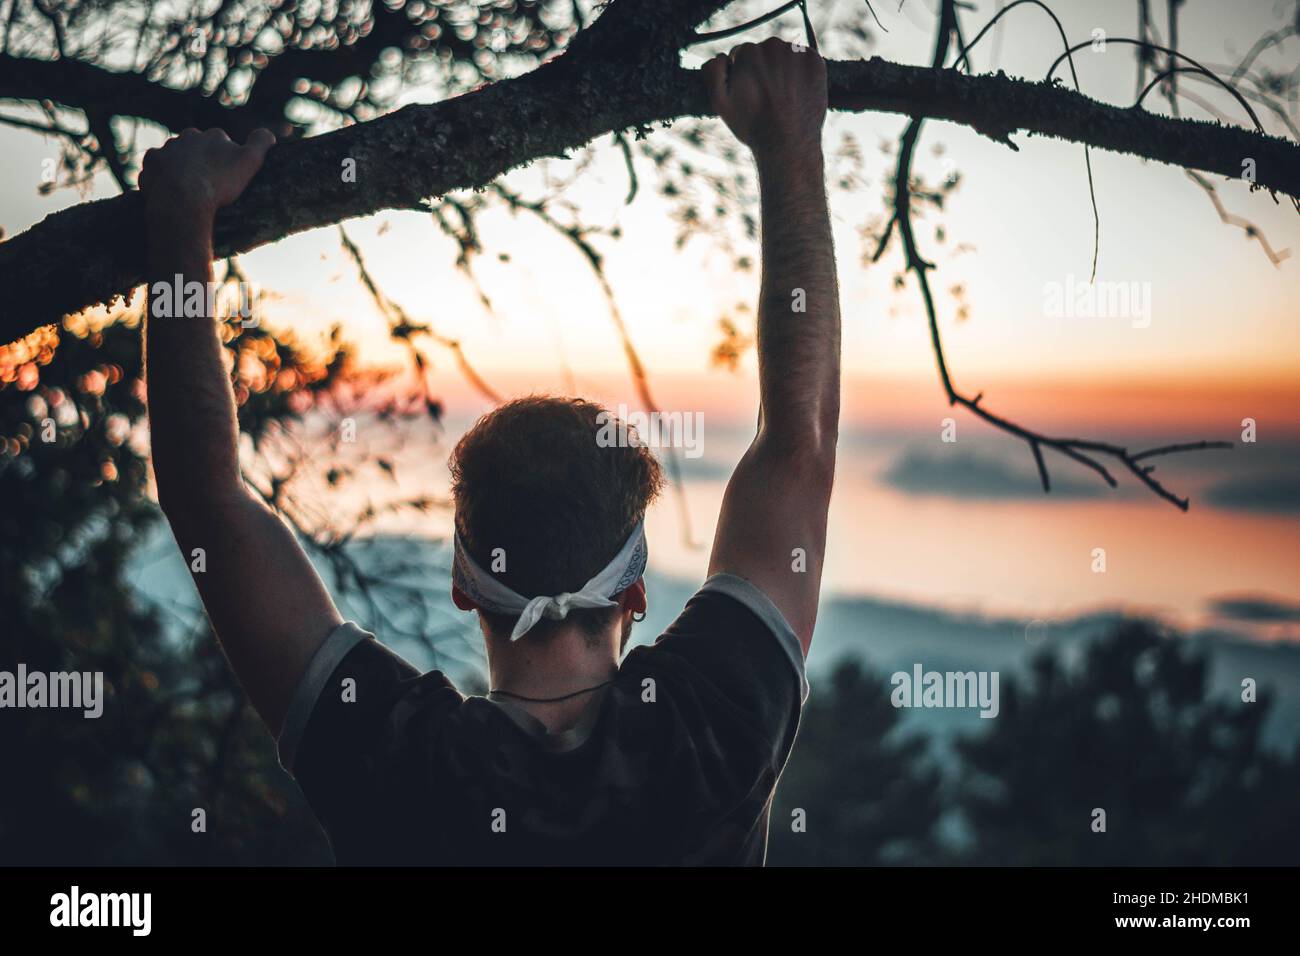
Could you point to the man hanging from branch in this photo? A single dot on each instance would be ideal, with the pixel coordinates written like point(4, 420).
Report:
point(669, 757)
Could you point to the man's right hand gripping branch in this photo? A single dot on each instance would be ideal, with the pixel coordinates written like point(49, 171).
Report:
point(773, 519)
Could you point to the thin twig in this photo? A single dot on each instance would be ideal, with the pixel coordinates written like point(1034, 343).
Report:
point(742, 27)
point(964, 59)
point(577, 236)
point(401, 326)
point(1083, 451)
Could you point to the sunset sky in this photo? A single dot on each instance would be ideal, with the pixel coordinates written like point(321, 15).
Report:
point(1222, 344)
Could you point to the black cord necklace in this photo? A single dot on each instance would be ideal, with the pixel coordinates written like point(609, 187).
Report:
point(549, 700)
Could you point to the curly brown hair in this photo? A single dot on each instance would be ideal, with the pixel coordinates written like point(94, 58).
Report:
point(531, 478)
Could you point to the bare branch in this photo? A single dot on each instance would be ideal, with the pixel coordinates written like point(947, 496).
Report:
point(402, 327)
point(1083, 451)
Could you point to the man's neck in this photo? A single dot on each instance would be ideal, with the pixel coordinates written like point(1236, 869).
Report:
point(533, 675)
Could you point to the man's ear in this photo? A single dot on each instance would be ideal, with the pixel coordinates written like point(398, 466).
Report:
point(634, 598)
point(461, 600)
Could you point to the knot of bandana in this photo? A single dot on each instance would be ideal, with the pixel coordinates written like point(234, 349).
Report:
point(486, 591)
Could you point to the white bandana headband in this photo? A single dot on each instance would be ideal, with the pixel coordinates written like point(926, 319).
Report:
point(486, 591)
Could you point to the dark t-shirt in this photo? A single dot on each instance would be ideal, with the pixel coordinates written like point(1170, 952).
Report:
point(674, 762)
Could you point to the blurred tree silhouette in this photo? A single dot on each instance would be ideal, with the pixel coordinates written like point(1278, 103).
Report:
point(1182, 776)
point(870, 794)
point(176, 734)
point(1129, 728)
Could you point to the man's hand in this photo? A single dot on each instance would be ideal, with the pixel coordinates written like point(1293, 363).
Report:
point(195, 174)
point(771, 96)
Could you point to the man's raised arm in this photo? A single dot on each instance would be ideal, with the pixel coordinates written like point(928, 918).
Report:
point(772, 529)
point(269, 609)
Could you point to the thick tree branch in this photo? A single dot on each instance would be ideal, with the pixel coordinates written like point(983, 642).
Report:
point(619, 74)
point(84, 86)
